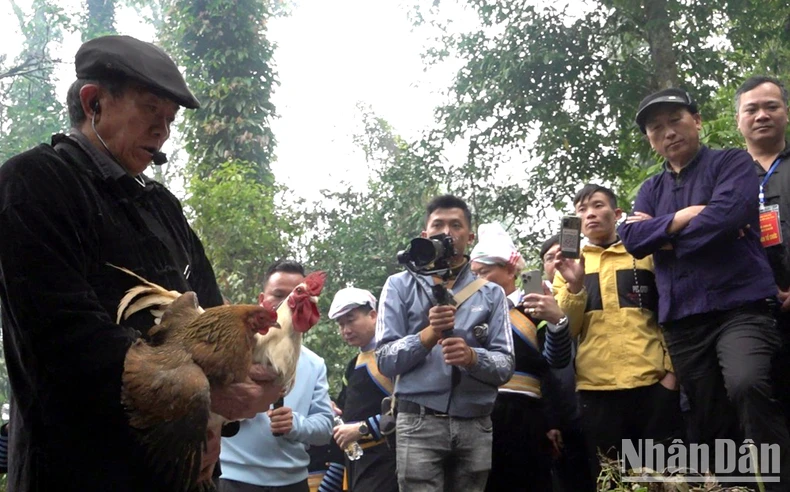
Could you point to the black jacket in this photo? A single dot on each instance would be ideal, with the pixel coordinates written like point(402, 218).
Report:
point(64, 215)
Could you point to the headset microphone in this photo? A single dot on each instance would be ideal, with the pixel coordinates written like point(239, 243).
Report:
point(159, 158)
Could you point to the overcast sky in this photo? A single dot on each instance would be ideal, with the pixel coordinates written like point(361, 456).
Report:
point(330, 56)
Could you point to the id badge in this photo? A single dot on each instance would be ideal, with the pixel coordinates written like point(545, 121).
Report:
point(770, 228)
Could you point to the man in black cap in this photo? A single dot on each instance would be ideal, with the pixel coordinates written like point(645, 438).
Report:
point(67, 210)
point(699, 219)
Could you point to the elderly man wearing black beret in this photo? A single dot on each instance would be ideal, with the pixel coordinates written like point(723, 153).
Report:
point(67, 210)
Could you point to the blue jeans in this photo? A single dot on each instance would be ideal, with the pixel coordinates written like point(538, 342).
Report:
point(438, 454)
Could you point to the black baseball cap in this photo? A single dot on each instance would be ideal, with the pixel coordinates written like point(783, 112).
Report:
point(673, 95)
point(127, 57)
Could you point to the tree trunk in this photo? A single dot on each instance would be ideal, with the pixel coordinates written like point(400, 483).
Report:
point(659, 37)
point(101, 19)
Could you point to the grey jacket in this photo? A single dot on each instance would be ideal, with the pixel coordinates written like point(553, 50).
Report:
point(424, 377)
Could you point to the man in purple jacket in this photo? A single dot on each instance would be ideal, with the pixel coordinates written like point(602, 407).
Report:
point(699, 219)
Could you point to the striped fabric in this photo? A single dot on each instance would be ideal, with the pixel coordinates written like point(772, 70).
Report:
point(332, 479)
point(4, 448)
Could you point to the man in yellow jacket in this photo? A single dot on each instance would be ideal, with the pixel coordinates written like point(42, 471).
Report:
point(627, 390)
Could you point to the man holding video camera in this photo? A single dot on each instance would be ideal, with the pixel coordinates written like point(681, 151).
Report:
point(449, 359)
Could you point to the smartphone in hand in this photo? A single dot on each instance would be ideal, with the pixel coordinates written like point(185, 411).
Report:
point(532, 282)
point(571, 236)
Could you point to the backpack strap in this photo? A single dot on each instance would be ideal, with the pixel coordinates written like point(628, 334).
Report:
point(470, 289)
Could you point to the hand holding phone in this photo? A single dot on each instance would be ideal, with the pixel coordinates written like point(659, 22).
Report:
point(571, 236)
point(532, 282)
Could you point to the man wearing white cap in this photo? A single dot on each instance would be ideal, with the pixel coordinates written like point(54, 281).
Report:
point(521, 458)
point(364, 387)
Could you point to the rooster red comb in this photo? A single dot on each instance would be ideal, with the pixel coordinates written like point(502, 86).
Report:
point(315, 283)
point(303, 307)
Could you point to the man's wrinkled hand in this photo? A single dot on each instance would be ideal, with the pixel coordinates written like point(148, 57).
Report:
point(211, 454)
point(282, 420)
point(346, 434)
point(441, 318)
point(261, 374)
point(246, 399)
point(457, 353)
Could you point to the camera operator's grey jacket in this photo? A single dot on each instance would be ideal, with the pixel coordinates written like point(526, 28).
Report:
point(424, 377)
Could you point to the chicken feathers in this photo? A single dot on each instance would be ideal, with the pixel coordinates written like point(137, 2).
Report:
point(167, 380)
point(280, 349)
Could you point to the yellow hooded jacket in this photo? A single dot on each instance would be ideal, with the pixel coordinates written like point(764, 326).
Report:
point(614, 316)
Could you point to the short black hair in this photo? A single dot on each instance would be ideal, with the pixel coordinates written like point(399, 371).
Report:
point(753, 82)
point(77, 116)
point(547, 244)
point(590, 189)
point(448, 201)
point(283, 266)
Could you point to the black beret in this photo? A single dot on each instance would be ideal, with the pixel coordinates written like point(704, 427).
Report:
point(673, 95)
point(125, 56)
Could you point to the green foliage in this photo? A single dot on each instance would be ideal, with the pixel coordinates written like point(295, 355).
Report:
point(235, 217)
point(571, 80)
point(227, 57)
point(227, 61)
point(99, 19)
point(29, 108)
point(357, 234)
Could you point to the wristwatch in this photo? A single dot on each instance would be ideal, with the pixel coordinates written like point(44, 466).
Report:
point(363, 429)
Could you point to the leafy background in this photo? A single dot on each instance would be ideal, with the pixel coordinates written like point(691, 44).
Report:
point(542, 101)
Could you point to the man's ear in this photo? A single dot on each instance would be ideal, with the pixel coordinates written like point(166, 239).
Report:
point(424, 234)
point(260, 298)
point(618, 214)
point(89, 97)
point(471, 238)
point(697, 120)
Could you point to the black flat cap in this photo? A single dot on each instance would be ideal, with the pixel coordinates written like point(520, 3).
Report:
point(673, 95)
point(125, 56)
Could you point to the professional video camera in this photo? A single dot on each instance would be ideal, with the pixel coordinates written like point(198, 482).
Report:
point(428, 256)
point(431, 256)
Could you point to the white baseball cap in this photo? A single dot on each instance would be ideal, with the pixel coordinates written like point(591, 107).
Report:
point(350, 298)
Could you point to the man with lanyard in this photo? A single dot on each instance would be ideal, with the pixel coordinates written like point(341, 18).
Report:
point(521, 458)
point(761, 112)
point(67, 211)
point(446, 386)
point(364, 387)
point(699, 219)
point(627, 390)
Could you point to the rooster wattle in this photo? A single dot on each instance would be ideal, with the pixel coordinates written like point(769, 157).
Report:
point(167, 380)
